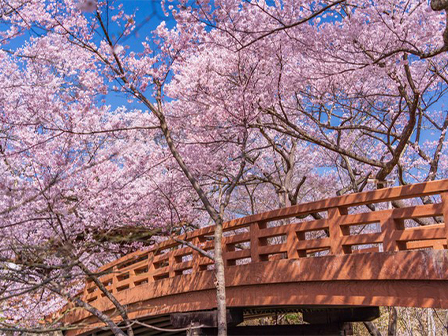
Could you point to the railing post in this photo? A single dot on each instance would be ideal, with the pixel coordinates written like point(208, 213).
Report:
point(444, 196)
point(131, 278)
point(85, 291)
point(171, 262)
point(151, 267)
point(254, 240)
point(389, 227)
point(196, 256)
point(301, 237)
point(336, 231)
point(225, 249)
point(113, 287)
point(292, 243)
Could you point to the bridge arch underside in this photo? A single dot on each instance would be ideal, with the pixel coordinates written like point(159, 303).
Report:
point(403, 278)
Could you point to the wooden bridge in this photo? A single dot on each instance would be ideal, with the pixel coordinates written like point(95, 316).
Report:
point(359, 252)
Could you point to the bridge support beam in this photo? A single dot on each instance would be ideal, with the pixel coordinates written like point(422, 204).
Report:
point(338, 315)
point(335, 329)
point(322, 321)
point(206, 318)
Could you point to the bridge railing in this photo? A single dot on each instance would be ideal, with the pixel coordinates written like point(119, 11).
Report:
point(340, 228)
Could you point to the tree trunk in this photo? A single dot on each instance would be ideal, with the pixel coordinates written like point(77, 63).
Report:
point(220, 281)
point(392, 329)
point(431, 323)
point(438, 5)
point(372, 329)
point(215, 216)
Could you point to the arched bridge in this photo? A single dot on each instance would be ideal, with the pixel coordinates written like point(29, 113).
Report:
point(359, 252)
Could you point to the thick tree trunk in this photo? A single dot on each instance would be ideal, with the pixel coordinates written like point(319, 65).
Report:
point(372, 329)
point(214, 215)
point(392, 329)
point(438, 5)
point(220, 281)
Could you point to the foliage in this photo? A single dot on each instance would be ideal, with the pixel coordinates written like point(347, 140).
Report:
point(241, 107)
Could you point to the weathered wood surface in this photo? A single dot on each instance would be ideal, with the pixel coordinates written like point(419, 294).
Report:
point(285, 264)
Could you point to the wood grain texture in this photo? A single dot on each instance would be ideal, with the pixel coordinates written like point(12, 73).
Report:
point(152, 282)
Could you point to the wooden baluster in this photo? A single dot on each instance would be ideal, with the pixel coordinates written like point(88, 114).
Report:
point(390, 226)
point(292, 243)
point(254, 241)
point(171, 263)
point(225, 249)
point(151, 268)
point(195, 256)
point(444, 196)
point(114, 285)
point(301, 236)
point(85, 292)
point(131, 278)
point(336, 231)
point(438, 245)
point(197, 241)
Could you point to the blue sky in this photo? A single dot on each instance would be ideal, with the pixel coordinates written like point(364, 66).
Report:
point(148, 15)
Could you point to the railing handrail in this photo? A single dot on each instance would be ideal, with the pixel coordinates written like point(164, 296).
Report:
point(153, 264)
point(257, 238)
point(356, 199)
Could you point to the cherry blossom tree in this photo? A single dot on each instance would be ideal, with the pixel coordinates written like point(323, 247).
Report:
point(241, 107)
point(362, 77)
point(68, 189)
point(363, 81)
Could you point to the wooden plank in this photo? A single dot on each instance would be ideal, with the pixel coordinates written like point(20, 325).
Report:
point(139, 277)
point(445, 212)
point(151, 266)
point(254, 240)
point(314, 244)
point(125, 282)
point(367, 250)
point(182, 251)
point(418, 211)
point(205, 261)
point(161, 257)
point(376, 196)
point(363, 239)
point(269, 249)
point(161, 271)
point(113, 286)
point(239, 238)
point(183, 265)
point(421, 244)
point(238, 254)
point(388, 228)
point(281, 230)
point(436, 231)
point(309, 226)
point(134, 266)
point(171, 263)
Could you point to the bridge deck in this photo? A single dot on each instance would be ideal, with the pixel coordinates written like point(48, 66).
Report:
point(278, 258)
